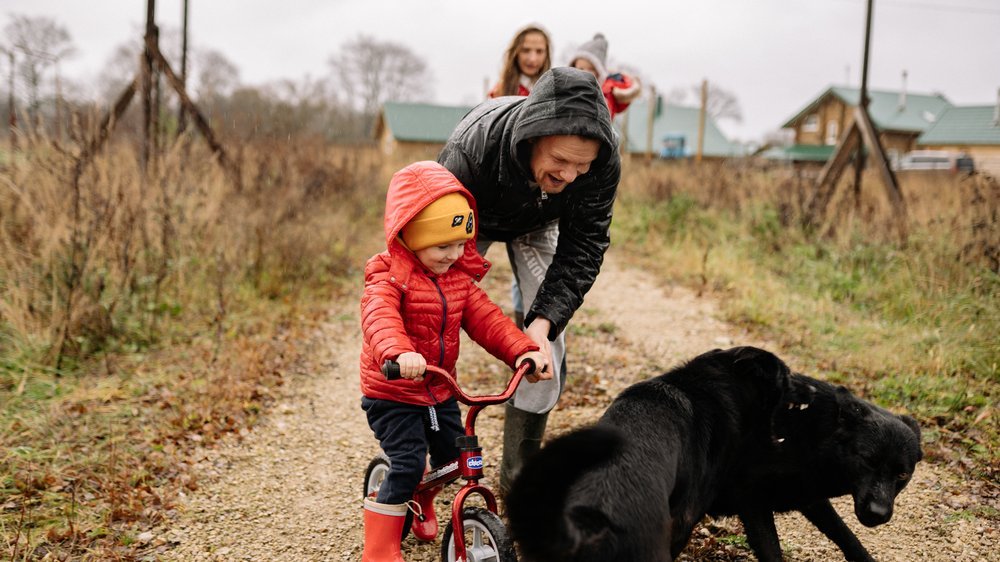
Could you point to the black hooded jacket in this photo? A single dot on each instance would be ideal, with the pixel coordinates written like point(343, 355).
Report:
point(490, 154)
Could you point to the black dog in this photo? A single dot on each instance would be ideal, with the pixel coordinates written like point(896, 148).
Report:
point(732, 432)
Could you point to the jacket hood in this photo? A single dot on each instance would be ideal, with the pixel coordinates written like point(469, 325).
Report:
point(564, 101)
point(413, 188)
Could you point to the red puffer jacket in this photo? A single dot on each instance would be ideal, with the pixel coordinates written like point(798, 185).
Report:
point(405, 307)
point(613, 81)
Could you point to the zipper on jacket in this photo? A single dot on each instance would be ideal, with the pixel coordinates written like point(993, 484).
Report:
point(444, 318)
point(542, 197)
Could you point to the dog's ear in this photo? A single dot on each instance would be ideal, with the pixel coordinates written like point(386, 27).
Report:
point(760, 363)
point(912, 424)
point(851, 411)
point(915, 427)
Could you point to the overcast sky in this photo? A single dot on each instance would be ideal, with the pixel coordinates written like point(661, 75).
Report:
point(774, 55)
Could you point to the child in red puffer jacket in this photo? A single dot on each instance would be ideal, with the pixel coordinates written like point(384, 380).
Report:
point(418, 294)
point(619, 89)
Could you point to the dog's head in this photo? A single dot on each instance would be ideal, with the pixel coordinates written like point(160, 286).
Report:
point(881, 451)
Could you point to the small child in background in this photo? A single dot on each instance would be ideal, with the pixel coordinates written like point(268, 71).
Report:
point(418, 293)
point(619, 89)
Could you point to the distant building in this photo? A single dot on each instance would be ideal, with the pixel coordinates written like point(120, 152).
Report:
point(419, 131)
point(416, 131)
point(900, 118)
point(973, 130)
point(675, 133)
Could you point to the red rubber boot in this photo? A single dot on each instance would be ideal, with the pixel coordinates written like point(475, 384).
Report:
point(425, 524)
point(383, 531)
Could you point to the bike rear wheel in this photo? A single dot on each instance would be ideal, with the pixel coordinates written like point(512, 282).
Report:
point(486, 538)
point(375, 475)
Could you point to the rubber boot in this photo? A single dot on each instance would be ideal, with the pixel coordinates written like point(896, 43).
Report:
point(522, 437)
point(425, 524)
point(383, 529)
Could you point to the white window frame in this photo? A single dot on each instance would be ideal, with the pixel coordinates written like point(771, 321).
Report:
point(832, 131)
point(810, 124)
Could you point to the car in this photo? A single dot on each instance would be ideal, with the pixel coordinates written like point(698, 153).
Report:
point(937, 160)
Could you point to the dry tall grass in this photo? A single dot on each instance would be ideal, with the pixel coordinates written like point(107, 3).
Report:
point(961, 209)
point(112, 256)
point(143, 314)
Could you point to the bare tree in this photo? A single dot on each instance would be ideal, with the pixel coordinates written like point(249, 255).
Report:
point(217, 75)
point(119, 70)
point(722, 104)
point(372, 72)
point(676, 96)
point(42, 43)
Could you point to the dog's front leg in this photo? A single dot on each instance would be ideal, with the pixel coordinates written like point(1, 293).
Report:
point(761, 534)
point(827, 520)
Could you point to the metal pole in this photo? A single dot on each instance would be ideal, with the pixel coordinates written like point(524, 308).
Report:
point(859, 163)
point(864, 65)
point(147, 85)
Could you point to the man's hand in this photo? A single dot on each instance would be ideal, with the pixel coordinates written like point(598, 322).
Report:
point(542, 370)
point(538, 331)
point(412, 366)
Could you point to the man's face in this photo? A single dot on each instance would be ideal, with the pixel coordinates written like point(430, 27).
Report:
point(559, 159)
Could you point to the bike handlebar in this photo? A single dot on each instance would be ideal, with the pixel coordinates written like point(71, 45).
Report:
point(391, 371)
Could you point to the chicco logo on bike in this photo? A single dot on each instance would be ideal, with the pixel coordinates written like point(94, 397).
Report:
point(475, 462)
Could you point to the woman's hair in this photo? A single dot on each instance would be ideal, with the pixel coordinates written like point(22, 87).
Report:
point(510, 75)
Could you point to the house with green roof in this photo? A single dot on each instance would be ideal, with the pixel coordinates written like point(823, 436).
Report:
point(419, 130)
point(416, 130)
point(974, 130)
point(675, 133)
point(900, 117)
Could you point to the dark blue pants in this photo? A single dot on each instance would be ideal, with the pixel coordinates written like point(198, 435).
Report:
point(405, 435)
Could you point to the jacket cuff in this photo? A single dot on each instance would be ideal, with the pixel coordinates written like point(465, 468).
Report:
point(554, 327)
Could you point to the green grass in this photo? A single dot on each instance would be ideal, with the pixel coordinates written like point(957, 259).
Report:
point(911, 328)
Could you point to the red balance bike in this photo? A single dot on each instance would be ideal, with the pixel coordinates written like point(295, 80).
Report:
point(484, 537)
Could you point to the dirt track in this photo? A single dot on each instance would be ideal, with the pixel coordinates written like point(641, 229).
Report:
point(291, 489)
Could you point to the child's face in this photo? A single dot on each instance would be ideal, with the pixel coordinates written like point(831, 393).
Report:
point(584, 64)
point(439, 258)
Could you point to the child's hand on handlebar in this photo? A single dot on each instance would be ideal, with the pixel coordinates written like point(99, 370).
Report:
point(412, 366)
point(542, 371)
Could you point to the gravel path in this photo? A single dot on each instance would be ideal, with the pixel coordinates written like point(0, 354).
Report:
point(290, 490)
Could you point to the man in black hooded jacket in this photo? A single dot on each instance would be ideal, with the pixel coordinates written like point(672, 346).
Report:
point(544, 170)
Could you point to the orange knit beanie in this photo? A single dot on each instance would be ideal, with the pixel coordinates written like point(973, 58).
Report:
point(447, 219)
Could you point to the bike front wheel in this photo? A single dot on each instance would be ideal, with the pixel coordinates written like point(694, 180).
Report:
point(486, 538)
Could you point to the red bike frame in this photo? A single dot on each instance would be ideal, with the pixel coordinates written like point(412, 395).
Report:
point(470, 462)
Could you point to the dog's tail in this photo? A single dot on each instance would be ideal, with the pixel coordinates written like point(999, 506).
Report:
point(536, 505)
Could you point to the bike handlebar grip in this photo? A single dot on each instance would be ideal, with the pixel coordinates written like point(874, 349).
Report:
point(391, 370)
point(532, 368)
